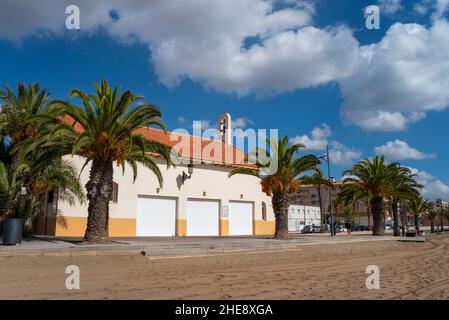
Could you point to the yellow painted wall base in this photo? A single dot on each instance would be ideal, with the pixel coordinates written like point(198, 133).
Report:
point(181, 228)
point(62, 226)
point(262, 227)
point(224, 227)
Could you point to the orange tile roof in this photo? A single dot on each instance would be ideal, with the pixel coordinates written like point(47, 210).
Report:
point(190, 147)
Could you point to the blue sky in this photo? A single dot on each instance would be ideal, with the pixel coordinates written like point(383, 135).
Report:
point(308, 68)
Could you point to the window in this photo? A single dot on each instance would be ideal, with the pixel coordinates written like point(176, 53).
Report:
point(114, 197)
point(264, 211)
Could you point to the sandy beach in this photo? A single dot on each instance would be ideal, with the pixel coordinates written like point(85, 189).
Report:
point(408, 270)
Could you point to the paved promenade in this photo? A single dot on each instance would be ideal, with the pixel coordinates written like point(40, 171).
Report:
point(176, 247)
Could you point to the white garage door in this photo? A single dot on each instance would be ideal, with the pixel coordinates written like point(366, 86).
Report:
point(155, 217)
point(202, 217)
point(240, 218)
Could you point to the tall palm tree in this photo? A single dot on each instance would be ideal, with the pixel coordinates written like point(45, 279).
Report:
point(353, 196)
point(17, 123)
point(371, 179)
point(442, 213)
point(103, 132)
point(419, 207)
point(25, 169)
point(286, 180)
point(403, 187)
point(431, 215)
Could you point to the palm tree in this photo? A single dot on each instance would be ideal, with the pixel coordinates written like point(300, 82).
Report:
point(353, 196)
point(318, 180)
point(431, 216)
point(17, 110)
point(9, 190)
point(26, 174)
point(404, 187)
point(284, 181)
point(103, 131)
point(442, 213)
point(419, 207)
point(446, 215)
point(371, 179)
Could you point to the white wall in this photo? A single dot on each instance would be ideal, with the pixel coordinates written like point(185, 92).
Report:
point(212, 179)
point(307, 215)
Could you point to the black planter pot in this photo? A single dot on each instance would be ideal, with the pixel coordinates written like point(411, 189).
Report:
point(13, 229)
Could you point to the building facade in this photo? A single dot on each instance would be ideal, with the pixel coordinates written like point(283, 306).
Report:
point(300, 216)
point(319, 196)
point(206, 202)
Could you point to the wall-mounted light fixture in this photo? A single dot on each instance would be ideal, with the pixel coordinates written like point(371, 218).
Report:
point(186, 176)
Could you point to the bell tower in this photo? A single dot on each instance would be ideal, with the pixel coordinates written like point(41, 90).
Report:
point(224, 125)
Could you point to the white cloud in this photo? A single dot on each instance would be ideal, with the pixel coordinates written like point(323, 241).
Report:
point(247, 46)
point(207, 41)
point(341, 155)
point(402, 77)
point(390, 7)
point(317, 140)
point(241, 123)
point(205, 124)
point(433, 188)
point(181, 120)
point(438, 8)
point(421, 8)
point(19, 19)
point(400, 150)
point(441, 7)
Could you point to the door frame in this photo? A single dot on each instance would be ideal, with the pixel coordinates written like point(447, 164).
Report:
point(219, 213)
point(148, 196)
point(253, 215)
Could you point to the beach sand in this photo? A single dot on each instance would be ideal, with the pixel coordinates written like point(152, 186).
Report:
point(408, 270)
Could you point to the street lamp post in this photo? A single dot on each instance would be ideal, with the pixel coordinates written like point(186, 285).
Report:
point(329, 188)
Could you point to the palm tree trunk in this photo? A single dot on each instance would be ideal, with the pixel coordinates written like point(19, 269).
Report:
point(441, 223)
point(281, 203)
point(416, 218)
point(394, 208)
point(432, 226)
point(99, 191)
point(368, 211)
point(378, 216)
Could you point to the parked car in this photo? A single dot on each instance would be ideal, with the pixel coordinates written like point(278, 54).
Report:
point(388, 227)
point(311, 229)
point(341, 228)
point(306, 229)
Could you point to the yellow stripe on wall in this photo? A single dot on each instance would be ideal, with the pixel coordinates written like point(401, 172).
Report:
point(181, 228)
point(63, 226)
point(224, 227)
point(262, 227)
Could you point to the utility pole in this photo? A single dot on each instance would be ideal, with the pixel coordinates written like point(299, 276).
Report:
point(329, 188)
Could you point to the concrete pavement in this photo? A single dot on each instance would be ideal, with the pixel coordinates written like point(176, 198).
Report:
point(157, 247)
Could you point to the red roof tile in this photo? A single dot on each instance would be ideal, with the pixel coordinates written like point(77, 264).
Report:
point(190, 147)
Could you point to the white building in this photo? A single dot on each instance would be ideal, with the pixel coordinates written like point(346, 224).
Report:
point(209, 203)
point(300, 216)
